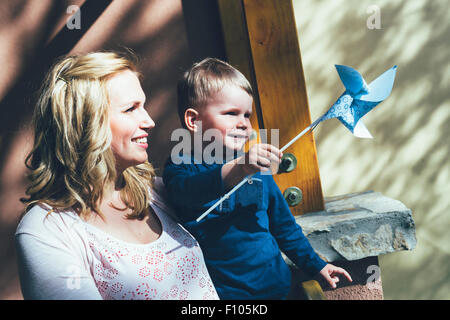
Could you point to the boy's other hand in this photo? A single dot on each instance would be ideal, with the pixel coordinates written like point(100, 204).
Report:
point(331, 273)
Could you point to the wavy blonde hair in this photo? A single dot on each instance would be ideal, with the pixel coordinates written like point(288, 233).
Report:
point(71, 162)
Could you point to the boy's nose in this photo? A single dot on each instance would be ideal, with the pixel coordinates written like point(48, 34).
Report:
point(242, 123)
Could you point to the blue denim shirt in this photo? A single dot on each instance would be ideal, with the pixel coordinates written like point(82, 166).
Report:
point(241, 239)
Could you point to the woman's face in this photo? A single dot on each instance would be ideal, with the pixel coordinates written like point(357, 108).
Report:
point(128, 120)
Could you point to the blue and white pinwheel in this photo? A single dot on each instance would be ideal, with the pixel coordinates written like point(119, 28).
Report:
point(357, 100)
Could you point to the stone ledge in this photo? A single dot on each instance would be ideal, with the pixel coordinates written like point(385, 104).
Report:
point(359, 225)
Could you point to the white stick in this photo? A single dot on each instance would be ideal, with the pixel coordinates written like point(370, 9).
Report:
point(223, 199)
point(296, 138)
point(312, 125)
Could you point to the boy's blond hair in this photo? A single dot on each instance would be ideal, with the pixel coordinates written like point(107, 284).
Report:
point(205, 78)
point(71, 162)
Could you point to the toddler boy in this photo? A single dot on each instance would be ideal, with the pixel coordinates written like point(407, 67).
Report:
point(241, 239)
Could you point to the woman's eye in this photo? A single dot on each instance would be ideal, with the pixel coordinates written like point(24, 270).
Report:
point(130, 108)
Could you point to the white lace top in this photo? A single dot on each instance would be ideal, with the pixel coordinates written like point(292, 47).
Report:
point(62, 257)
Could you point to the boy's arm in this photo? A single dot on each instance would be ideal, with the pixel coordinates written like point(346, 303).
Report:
point(185, 184)
point(189, 187)
point(289, 234)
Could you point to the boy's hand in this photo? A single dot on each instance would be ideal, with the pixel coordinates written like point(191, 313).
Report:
point(331, 272)
point(261, 157)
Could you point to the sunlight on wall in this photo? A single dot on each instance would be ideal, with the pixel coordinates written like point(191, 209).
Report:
point(408, 157)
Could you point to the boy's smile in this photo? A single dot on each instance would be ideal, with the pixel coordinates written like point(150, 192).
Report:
point(228, 111)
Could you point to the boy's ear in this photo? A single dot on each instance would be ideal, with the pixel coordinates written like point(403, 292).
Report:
point(190, 117)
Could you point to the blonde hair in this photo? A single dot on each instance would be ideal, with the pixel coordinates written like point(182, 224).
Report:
point(205, 78)
point(71, 162)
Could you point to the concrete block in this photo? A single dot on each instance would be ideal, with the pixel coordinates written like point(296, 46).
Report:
point(352, 232)
point(359, 225)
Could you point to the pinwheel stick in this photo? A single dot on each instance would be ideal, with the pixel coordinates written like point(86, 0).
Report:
point(310, 127)
point(240, 184)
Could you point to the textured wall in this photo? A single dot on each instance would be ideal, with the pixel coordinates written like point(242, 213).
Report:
point(408, 159)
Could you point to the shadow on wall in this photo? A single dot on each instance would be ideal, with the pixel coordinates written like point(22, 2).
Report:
point(156, 30)
point(408, 158)
point(18, 88)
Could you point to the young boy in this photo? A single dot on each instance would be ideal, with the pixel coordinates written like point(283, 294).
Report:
point(241, 239)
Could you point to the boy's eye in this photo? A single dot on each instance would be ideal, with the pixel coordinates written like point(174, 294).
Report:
point(248, 115)
point(231, 113)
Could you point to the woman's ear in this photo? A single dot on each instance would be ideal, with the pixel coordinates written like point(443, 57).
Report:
point(190, 117)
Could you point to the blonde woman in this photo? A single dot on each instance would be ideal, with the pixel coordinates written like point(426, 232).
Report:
point(95, 228)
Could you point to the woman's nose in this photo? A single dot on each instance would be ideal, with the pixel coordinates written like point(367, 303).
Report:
point(147, 122)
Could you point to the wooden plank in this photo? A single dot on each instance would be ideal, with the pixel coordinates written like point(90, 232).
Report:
point(261, 38)
point(282, 92)
point(237, 48)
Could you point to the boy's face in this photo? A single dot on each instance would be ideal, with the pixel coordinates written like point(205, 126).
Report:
point(228, 111)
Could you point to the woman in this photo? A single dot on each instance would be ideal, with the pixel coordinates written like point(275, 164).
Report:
point(95, 228)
